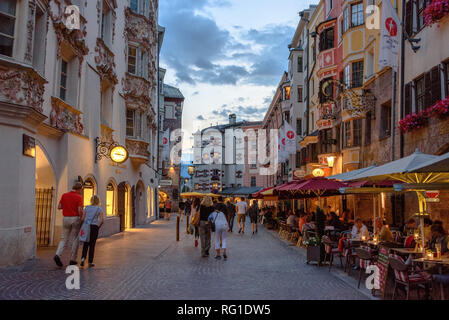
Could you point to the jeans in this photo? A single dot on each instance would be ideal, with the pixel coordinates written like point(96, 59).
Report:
point(231, 222)
point(205, 237)
point(91, 244)
point(70, 231)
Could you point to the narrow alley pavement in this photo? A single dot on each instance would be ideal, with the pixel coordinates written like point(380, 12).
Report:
point(147, 263)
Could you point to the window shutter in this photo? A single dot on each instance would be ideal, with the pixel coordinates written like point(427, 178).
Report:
point(409, 17)
point(408, 99)
point(436, 84)
point(428, 89)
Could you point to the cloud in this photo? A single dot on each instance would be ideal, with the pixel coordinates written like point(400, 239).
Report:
point(199, 51)
point(200, 118)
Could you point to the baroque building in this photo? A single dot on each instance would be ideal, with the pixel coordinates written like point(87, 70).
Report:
point(71, 87)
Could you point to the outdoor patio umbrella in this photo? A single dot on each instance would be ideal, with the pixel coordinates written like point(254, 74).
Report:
point(347, 176)
point(414, 169)
point(316, 187)
point(439, 164)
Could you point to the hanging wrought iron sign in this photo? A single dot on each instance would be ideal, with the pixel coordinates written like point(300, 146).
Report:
point(110, 150)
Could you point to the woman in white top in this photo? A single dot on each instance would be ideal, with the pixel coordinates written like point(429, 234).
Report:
point(221, 226)
point(92, 215)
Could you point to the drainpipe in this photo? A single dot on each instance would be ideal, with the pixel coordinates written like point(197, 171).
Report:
point(158, 122)
point(308, 80)
point(402, 104)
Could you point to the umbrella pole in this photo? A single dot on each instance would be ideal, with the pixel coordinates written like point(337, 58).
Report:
point(422, 209)
point(374, 214)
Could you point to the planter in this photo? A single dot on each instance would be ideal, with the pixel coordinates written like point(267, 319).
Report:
point(315, 253)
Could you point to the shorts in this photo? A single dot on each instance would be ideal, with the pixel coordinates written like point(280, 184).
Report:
point(241, 218)
point(253, 219)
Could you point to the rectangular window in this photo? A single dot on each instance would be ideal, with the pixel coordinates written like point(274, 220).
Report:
point(63, 81)
point(169, 114)
point(420, 94)
point(7, 25)
point(299, 93)
point(347, 135)
point(357, 137)
point(132, 59)
point(298, 159)
point(368, 128)
point(421, 5)
point(346, 20)
point(385, 120)
point(327, 39)
point(325, 141)
point(357, 74)
point(357, 18)
point(134, 6)
point(300, 64)
point(253, 182)
point(130, 117)
point(446, 73)
point(347, 76)
point(299, 127)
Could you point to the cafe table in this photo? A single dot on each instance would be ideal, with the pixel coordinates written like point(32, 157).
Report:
point(440, 263)
point(407, 251)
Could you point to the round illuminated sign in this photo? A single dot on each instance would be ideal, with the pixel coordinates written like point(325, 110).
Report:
point(119, 154)
point(318, 173)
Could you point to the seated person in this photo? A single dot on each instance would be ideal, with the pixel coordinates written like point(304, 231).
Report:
point(291, 220)
point(359, 230)
point(409, 227)
point(385, 234)
point(334, 221)
point(427, 231)
point(439, 236)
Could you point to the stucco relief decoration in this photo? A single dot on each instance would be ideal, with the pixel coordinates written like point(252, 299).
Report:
point(137, 91)
point(30, 31)
point(22, 87)
point(75, 38)
point(64, 119)
point(138, 148)
point(107, 135)
point(105, 62)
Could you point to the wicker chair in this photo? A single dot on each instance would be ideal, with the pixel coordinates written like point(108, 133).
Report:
point(366, 258)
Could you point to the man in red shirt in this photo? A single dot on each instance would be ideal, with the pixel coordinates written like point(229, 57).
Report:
point(167, 209)
point(72, 208)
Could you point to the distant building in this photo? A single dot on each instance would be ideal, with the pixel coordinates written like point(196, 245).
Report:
point(170, 183)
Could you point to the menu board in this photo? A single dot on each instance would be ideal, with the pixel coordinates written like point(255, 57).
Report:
point(383, 265)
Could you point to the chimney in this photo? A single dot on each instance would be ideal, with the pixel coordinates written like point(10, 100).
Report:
point(232, 119)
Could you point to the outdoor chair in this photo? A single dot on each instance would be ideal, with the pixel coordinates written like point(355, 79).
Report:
point(440, 280)
point(331, 249)
point(349, 255)
point(366, 256)
point(405, 277)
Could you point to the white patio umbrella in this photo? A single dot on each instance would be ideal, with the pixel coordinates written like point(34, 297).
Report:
point(347, 176)
point(416, 168)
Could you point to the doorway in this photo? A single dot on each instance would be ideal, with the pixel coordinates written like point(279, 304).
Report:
point(44, 199)
point(124, 206)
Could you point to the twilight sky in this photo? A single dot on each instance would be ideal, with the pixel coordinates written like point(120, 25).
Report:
point(226, 56)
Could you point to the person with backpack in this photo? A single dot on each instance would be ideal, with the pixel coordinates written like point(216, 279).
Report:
point(92, 221)
point(230, 215)
point(219, 227)
point(195, 223)
point(206, 208)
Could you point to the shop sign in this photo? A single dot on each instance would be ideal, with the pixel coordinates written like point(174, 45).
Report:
point(299, 174)
point(29, 146)
point(165, 183)
point(433, 196)
point(324, 124)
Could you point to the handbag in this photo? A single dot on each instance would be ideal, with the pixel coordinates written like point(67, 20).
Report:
point(85, 229)
point(212, 226)
point(196, 218)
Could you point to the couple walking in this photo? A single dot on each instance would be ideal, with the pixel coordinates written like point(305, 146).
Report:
point(89, 219)
point(208, 217)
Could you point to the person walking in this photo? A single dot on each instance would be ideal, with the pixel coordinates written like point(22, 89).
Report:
point(167, 209)
point(206, 208)
point(187, 212)
point(253, 216)
point(218, 218)
point(93, 216)
point(196, 219)
point(71, 204)
point(230, 214)
point(241, 207)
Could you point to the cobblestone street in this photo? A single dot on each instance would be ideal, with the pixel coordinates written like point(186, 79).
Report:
point(146, 263)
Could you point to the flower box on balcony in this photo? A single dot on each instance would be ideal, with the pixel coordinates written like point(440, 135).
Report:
point(436, 11)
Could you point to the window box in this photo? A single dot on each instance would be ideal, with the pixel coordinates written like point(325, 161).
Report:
point(435, 11)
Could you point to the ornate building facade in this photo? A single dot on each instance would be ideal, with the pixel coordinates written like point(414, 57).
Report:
point(72, 86)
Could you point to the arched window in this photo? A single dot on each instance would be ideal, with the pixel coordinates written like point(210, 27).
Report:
point(110, 199)
point(88, 191)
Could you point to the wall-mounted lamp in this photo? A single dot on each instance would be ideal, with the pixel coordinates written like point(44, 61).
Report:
point(331, 161)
